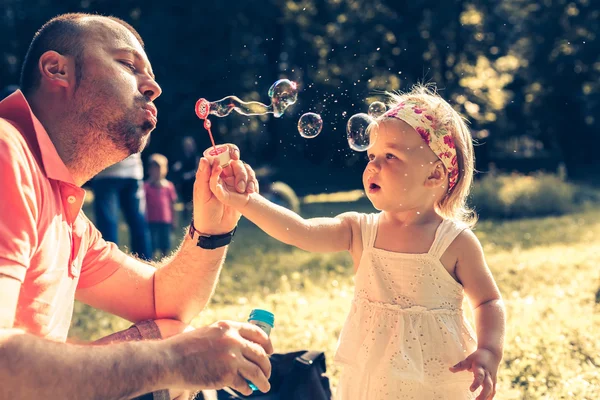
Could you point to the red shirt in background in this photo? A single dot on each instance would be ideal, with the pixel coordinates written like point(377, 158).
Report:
point(160, 198)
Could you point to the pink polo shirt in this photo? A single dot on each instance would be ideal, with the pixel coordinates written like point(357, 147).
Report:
point(46, 241)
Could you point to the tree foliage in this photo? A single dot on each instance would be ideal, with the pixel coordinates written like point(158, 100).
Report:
point(524, 72)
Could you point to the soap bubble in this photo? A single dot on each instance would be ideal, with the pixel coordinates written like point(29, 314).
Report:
point(376, 109)
point(357, 132)
point(283, 93)
point(310, 125)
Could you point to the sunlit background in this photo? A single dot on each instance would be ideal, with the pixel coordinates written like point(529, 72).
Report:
point(525, 73)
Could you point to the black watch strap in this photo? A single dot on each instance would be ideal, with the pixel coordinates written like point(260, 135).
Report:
point(211, 242)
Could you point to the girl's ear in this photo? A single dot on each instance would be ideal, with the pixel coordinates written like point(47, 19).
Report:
point(438, 175)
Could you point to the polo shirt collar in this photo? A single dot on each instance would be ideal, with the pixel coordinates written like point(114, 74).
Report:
point(16, 109)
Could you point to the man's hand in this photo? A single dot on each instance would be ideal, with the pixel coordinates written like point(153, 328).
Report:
point(210, 215)
point(223, 354)
point(484, 366)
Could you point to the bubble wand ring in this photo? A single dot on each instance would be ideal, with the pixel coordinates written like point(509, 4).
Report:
point(202, 111)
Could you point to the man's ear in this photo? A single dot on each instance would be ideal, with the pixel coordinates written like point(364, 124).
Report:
point(56, 70)
point(438, 175)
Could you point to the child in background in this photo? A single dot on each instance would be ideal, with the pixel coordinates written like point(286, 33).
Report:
point(160, 202)
point(406, 336)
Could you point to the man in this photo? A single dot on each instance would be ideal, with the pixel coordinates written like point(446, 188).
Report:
point(87, 103)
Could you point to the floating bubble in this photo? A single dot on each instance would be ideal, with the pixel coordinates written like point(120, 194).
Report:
point(225, 106)
point(310, 125)
point(283, 94)
point(357, 132)
point(376, 109)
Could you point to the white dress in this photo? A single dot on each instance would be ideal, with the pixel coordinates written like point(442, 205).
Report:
point(406, 326)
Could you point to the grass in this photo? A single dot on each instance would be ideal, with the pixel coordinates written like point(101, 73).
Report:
point(547, 270)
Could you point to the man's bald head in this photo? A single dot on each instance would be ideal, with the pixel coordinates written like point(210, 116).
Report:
point(66, 34)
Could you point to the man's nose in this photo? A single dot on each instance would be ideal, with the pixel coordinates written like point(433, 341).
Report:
point(150, 89)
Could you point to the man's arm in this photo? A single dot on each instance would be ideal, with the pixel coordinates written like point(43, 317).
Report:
point(223, 354)
point(34, 368)
point(25, 362)
point(181, 286)
point(184, 285)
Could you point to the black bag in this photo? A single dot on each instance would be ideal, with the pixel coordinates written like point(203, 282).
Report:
point(298, 375)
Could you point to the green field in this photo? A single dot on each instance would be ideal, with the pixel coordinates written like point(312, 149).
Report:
point(547, 270)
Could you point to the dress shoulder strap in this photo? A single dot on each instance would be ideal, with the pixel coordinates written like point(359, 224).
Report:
point(444, 236)
point(368, 228)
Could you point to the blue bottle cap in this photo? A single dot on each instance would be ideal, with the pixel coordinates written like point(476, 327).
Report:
point(262, 315)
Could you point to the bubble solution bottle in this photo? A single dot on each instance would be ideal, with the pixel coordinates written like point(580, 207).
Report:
point(265, 320)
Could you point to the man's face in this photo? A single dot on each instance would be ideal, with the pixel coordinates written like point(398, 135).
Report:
point(117, 89)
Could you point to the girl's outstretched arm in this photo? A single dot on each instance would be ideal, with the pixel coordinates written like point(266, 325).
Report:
point(322, 235)
point(490, 319)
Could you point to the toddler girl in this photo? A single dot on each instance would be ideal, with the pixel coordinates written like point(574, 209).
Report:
point(160, 203)
point(406, 336)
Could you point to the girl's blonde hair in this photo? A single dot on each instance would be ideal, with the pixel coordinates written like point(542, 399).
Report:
point(453, 205)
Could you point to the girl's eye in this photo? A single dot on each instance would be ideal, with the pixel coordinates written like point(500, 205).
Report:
point(370, 157)
point(390, 156)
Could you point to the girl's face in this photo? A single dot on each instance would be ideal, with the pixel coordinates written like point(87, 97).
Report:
point(400, 163)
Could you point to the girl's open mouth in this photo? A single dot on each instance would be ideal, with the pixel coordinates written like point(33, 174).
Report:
point(373, 188)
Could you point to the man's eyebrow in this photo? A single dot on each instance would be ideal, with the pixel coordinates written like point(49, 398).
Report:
point(136, 55)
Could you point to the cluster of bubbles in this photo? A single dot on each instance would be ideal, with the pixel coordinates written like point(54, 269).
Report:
point(283, 94)
point(357, 128)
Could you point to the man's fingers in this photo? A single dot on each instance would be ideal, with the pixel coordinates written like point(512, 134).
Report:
point(202, 178)
point(234, 151)
point(487, 390)
point(240, 384)
point(254, 374)
point(214, 184)
point(255, 334)
point(478, 377)
point(256, 354)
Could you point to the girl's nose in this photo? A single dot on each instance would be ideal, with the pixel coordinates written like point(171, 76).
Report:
point(373, 166)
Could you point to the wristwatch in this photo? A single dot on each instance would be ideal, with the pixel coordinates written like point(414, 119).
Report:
point(211, 242)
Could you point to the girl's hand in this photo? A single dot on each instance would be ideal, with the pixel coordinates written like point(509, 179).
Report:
point(226, 190)
point(483, 363)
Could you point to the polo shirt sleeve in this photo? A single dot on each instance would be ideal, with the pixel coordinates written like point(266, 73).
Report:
point(101, 260)
point(18, 206)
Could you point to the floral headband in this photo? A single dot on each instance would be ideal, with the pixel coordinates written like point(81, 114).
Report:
point(437, 136)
